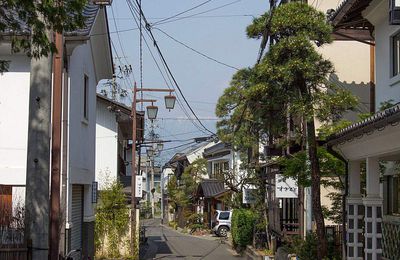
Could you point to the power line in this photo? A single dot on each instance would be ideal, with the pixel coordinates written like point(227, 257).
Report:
point(188, 10)
point(196, 51)
point(132, 9)
point(179, 146)
point(200, 16)
point(193, 15)
point(119, 39)
point(169, 70)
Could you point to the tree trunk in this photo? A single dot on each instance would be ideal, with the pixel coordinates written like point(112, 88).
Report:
point(316, 189)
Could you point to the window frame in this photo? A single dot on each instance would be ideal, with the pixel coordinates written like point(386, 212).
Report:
point(85, 97)
point(395, 52)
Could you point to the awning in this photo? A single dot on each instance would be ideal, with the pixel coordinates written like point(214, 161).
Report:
point(211, 188)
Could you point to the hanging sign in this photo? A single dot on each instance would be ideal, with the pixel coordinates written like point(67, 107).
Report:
point(139, 186)
point(286, 187)
point(249, 196)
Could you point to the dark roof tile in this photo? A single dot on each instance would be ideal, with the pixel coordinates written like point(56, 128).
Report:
point(372, 123)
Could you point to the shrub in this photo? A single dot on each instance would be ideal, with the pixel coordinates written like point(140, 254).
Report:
point(307, 249)
point(242, 228)
point(112, 220)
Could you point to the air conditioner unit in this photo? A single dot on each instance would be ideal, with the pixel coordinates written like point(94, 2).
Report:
point(394, 12)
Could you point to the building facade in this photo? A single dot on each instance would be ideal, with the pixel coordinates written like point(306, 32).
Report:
point(88, 60)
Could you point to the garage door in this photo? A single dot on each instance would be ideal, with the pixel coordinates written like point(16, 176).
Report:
point(77, 217)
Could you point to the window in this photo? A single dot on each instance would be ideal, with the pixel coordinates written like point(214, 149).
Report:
point(396, 55)
point(86, 97)
point(393, 195)
point(219, 168)
point(224, 215)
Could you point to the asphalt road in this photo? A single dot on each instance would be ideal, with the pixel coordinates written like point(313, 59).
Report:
point(164, 243)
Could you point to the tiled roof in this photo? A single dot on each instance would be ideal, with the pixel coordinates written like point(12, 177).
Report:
point(217, 148)
point(89, 12)
point(378, 121)
point(212, 188)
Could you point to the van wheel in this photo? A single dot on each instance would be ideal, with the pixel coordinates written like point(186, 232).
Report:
point(222, 231)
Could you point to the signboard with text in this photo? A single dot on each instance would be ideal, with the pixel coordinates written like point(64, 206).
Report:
point(286, 187)
point(249, 196)
point(139, 186)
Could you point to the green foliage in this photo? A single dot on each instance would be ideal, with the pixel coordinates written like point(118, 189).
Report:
point(332, 170)
point(386, 104)
point(296, 167)
point(297, 18)
point(181, 193)
point(256, 29)
point(242, 227)
point(112, 220)
point(66, 16)
point(307, 249)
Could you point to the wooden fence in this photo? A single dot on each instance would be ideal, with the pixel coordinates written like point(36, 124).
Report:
point(12, 244)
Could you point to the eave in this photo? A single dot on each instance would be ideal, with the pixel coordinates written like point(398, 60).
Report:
point(349, 23)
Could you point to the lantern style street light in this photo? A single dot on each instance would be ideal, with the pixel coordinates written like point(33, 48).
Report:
point(152, 112)
point(170, 101)
point(160, 146)
point(150, 152)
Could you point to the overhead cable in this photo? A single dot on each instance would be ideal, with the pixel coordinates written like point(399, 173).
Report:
point(188, 10)
point(148, 28)
point(196, 14)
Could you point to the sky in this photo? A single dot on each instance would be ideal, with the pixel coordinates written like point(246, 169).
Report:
point(218, 32)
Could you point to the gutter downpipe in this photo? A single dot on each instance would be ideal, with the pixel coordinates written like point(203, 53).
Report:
point(346, 193)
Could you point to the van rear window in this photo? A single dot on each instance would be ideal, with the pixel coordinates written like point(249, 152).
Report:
point(224, 215)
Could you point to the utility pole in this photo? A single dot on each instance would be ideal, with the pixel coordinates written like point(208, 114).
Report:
point(54, 239)
point(170, 102)
point(152, 188)
point(38, 157)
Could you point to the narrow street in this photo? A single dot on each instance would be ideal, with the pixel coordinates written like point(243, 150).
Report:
point(164, 243)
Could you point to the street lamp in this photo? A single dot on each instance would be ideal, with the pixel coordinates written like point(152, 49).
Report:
point(170, 101)
point(150, 152)
point(152, 112)
point(160, 146)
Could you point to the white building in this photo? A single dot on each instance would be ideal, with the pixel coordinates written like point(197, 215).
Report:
point(88, 61)
point(373, 223)
point(113, 141)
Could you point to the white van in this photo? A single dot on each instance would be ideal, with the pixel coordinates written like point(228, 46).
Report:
point(222, 223)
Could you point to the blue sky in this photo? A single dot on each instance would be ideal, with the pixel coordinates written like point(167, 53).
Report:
point(219, 34)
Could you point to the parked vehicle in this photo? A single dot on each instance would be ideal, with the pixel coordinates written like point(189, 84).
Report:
point(222, 223)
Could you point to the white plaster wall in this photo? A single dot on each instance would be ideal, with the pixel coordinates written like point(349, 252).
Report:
point(106, 145)
point(387, 87)
point(351, 61)
point(81, 131)
point(165, 176)
point(198, 153)
point(14, 105)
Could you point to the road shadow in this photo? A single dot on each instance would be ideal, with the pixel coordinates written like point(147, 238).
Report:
point(155, 246)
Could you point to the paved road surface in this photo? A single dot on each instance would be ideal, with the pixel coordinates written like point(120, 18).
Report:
point(167, 244)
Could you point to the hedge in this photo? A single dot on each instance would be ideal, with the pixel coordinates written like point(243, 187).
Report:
point(242, 227)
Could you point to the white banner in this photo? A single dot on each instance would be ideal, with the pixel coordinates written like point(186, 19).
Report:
point(286, 187)
point(139, 186)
